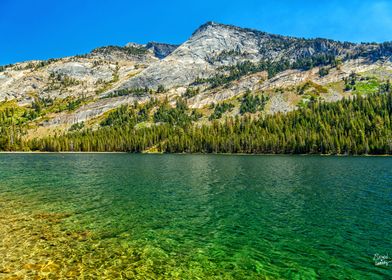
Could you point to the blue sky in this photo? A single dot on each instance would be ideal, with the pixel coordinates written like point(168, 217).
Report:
point(42, 29)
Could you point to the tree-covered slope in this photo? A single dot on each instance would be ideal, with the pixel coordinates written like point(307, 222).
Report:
point(362, 125)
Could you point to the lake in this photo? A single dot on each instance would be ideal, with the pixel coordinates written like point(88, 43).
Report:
point(127, 216)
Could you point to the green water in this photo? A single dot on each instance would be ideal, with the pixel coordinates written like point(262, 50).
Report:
point(124, 216)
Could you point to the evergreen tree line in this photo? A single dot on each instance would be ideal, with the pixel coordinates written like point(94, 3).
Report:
point(11, 130)
point(361, 125)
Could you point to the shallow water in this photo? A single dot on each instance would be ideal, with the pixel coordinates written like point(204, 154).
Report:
point(125, 216)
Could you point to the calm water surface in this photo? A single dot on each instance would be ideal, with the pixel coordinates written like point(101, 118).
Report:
point(125, 216)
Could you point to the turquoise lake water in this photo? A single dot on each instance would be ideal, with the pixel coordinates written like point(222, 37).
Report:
point(126, 216)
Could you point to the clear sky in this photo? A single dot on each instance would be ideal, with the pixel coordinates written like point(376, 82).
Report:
point(41, 29)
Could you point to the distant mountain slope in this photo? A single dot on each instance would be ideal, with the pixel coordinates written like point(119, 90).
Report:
point(87, 74)
point(215, 45)
point(221, 71)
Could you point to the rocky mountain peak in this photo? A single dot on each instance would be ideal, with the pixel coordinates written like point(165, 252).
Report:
point(220, 26)
point(214, 45)
point(205, 26)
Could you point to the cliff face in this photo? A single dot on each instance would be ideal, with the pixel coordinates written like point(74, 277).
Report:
point(161, 50)
point(111, 76)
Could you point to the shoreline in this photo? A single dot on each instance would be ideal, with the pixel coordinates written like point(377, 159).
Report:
point(43, 152)
point(224, 154)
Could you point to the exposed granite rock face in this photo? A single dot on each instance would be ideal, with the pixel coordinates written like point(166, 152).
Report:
point(76, 76)
point(90, 72)
point(93, 110)
point(161, 50)
point(72, 69)
point(214, 45)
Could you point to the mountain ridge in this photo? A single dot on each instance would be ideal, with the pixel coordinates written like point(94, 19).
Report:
point(256, 45)
point(201, 28)
point(254, 30)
